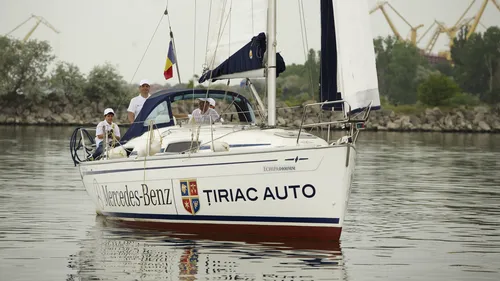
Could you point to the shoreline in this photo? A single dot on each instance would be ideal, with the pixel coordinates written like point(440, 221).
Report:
point(479, 119)
point(375, 130)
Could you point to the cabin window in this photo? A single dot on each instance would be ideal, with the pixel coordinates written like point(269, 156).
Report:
point(159, 115)
point(183, 146)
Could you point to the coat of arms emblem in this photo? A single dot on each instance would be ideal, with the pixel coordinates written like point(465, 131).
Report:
point(190, 197)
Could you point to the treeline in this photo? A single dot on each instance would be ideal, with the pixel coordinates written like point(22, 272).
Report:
point(24, 78)
point(405, 76)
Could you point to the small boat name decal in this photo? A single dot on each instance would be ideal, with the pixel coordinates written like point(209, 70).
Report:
point(278, 168)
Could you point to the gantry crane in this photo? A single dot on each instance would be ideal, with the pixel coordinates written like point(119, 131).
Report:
point(478, 16)
point(413, 34)
point(39, 20)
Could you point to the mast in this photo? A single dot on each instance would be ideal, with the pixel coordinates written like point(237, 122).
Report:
point(271, 63)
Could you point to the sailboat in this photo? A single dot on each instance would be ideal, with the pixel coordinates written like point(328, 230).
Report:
point(239, 176)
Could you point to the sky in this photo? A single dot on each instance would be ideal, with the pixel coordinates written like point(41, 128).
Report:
point(94, 32)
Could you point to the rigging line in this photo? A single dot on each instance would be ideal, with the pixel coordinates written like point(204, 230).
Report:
point(149, 44)
point(219, 38)
point(208, 30)
point(305, 43)
point(194, 47)
point(253, 29)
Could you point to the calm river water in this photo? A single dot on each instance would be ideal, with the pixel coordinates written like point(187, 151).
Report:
point(423, 207)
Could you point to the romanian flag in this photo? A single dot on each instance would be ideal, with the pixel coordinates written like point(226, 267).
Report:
point(169, 64)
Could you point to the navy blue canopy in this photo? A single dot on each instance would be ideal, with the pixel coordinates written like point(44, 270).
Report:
point(249, 57)
point(161, 101)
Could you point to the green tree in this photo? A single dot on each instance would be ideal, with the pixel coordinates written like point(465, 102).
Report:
point(397, 66)
point(23, 66)
point(67, 80)
point(477, 63)
point(437, 90)
point(105, 84)
point(300, 79)
point(312, 66)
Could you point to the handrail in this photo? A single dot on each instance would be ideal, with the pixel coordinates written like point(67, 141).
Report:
point(318, 103)
point(347, 118)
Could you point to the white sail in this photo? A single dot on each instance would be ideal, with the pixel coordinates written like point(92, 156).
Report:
point(356, 54)
point(232, 24)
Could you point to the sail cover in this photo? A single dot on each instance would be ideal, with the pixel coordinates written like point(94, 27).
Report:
point(232, 23)
point(356, 70)
point(247, 62)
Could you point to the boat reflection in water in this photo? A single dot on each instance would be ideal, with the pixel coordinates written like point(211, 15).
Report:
point(119, 253)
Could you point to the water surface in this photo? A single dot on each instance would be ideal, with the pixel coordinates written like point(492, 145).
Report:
point(424, 206)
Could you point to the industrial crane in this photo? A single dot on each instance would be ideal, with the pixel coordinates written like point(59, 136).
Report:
point(440, 28)
point(39, 20)
point(450, 31)
point(413, 36)
point(477, 18)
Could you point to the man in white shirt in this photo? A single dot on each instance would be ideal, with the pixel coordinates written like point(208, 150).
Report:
point(211, 101)
point(136, 103)
point(205, 114)
point(106, 127)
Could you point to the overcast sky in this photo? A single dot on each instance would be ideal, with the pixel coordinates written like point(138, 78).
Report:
point(118, 31)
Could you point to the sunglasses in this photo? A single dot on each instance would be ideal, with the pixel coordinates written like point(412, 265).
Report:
point(145, 86)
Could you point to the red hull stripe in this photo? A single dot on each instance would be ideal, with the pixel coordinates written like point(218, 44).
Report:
point(225, 218)
point(230, 232)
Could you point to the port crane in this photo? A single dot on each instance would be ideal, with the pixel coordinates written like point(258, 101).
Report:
point(413, 29)
point(39, 20)
point(478, 16)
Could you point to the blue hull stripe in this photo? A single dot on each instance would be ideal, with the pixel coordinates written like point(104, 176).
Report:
point(225, 218)
point(175, 167)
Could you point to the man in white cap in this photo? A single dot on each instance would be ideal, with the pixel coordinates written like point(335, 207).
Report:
point(211, 101)
point(204, 113)
point(106, 127)
point(136, 103)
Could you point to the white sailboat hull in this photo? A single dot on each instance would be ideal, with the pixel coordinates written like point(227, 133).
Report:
point(285, 192)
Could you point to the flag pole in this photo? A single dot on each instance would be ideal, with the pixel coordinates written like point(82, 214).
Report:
point(175, 56)
point(173, 45)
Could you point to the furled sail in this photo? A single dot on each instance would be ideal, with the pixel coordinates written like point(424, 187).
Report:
point(328, 62)
point(356, 70)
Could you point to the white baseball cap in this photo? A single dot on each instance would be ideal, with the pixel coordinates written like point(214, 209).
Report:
point(144, 81)
point(211, 101)
point(108, 111)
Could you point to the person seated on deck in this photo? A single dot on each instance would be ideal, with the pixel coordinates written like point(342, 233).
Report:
point(205, 114)
point(105, 127)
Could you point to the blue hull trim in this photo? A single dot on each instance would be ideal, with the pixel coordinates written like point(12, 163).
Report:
point(203, 218)
point(361, 109)
point(176, 167)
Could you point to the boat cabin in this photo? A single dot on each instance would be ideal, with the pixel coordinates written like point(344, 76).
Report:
point(167, 107)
